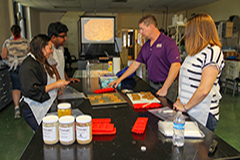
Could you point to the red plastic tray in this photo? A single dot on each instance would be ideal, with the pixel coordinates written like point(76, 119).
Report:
point(102, 126)
point(101, 120)
point(104, 90)
point(140, 125)
point(148, 106)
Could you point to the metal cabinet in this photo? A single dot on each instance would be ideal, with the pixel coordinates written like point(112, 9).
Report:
point(5, 87)
point(231, 70)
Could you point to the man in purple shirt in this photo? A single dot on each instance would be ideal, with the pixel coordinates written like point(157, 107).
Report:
point(161, 57)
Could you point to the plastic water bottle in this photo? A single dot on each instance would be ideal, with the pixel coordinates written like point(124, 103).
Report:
point(88, 69)
point(178, 129)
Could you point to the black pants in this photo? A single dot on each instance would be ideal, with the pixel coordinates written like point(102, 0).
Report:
point(29, 118)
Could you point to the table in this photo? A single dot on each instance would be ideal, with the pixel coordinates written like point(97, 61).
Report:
point(125, 145)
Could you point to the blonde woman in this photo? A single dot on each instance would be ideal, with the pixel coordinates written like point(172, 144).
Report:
point(199, 91)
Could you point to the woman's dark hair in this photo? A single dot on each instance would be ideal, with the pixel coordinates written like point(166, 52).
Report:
point(16, 30)
point(36, 46)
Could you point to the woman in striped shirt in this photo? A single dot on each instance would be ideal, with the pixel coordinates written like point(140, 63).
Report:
point(199, 91)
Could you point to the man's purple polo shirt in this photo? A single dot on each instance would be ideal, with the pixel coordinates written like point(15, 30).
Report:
point(159, 57)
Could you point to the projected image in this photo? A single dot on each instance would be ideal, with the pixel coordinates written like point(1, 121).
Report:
point(97, 30)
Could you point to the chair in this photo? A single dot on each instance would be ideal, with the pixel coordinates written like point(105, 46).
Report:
point(235, 85)
point(69, 59)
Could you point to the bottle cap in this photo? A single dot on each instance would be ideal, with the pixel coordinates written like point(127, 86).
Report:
point(64, 105)
point(84, 119)
point(66, 119)
point(50, 119)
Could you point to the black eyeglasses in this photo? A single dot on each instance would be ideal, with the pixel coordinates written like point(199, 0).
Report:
point(62, 36)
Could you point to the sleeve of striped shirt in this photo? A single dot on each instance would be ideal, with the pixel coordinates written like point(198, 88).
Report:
point(213, 56)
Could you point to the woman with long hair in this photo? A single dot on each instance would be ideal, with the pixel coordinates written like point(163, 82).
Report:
point(199, 91)
point(15, 50)
point(38, 81)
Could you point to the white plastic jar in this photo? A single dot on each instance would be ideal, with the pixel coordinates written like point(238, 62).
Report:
point(50, 129)
point(67, 130)
point(84, 129)
point(64, 109)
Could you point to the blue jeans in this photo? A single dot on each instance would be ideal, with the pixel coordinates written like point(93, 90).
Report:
point(14, 78)
point(211, 122)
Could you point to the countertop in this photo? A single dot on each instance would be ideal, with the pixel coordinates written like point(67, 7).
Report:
point(126, 145)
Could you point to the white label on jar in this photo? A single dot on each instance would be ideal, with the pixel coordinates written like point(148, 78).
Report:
point(83, 133)
point(66, 134)
point(49, 133)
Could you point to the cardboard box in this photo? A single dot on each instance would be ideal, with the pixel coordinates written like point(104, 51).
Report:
point(229, 29)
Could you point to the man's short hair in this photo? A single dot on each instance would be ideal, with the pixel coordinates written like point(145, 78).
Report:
point(148, 19)
point(54, 29)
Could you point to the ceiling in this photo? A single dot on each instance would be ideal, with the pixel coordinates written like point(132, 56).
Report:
point(114, 6)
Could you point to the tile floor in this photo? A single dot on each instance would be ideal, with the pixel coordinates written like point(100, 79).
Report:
point(15, 134)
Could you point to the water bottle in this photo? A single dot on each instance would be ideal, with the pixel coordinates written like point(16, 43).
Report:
point(88, 69)
point(178, 129)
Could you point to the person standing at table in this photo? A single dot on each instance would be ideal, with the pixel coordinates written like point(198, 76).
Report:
point(15, 50)
point(38, 81)
point(58, 34)
point(199, 91)
point(161, 57)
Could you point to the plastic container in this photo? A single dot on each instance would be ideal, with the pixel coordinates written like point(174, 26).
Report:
point(140, 125)
point(84, 129)
point(64, 109)
point(50, 129)
point(104, 80)
point(67, 130)
point(110, 66)
point(178, 129)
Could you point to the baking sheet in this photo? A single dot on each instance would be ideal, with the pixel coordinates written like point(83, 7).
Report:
point(107, 99)
point(142, 100)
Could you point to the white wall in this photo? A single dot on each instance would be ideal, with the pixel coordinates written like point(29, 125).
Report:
point(220, 10)
point(48, 17)
point(5, 22)
point(35, 22)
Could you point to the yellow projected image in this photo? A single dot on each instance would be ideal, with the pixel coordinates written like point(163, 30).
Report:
point(98, 30)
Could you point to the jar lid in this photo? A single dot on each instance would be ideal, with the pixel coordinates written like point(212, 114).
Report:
point(84, 119)
point(66, 119)
point(64, 105)
point(50, 119)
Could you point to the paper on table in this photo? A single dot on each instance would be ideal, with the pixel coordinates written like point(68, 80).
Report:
point(191, 129)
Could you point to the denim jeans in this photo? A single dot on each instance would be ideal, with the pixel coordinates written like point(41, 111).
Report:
point(211, 122)
point(172, 90)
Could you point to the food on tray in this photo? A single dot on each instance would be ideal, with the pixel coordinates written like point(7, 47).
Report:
point(98, 97)
point(148, 93)
point(150, 98)
point(145, 97)
point(105, 94)
point(92, 98)
point(142, 92)
point(134, 94)
point(136, 98)
point(100, 101)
